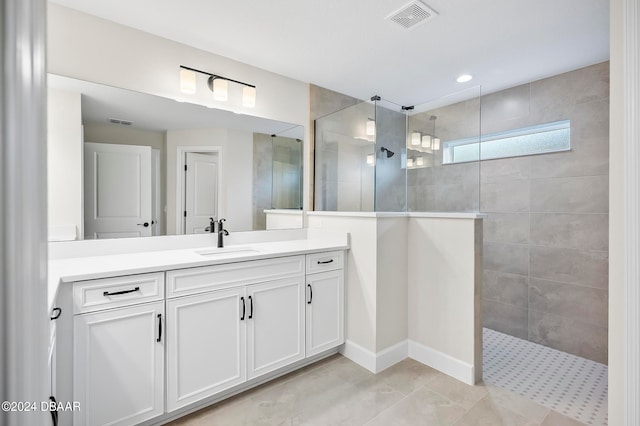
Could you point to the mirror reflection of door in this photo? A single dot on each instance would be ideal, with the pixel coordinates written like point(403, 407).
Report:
point(117, 191)
point(201, 191)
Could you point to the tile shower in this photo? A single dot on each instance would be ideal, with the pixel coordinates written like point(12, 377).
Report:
point(546, 232)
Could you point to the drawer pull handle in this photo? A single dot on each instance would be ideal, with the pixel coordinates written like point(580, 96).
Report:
point(159, 339)
point(115, 293)
point(55, 313)
point(244, 308)
point(310, 294)
point(251, 306)
point(324, 262)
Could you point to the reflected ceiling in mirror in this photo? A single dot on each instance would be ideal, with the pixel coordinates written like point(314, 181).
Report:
point(99, 172)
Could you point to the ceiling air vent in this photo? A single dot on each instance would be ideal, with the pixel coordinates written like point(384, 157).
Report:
point(411, 15)
point(118, 121)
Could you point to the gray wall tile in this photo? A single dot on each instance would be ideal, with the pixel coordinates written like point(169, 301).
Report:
point(579, 231)
point(586, 304)
point(505, 169)
point(505, 318)
point(505, 288)
point(510, 196)
point(501, 108)
point(569, 164)
point(587, 268)
point(569, 335)
point(509, 258)
point(507, 227)
point(589, 194)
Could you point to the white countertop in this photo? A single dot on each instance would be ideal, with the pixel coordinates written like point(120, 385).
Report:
point(92, 267)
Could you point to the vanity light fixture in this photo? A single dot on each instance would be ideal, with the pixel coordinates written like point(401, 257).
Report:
point(436, 144)
point(420, 161)
point(464, 78)
point(218, 84)
point(415, 138)
point(426, 141)
point(409, 162)
point(370, 129)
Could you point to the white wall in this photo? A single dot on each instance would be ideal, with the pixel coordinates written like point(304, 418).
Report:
point(616, 222)
point(64, 160)
point(444, 262)
point(235, 186)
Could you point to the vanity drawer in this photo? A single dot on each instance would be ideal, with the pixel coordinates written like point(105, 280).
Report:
point(329, 261)
point(107, 293)
point(182, 282)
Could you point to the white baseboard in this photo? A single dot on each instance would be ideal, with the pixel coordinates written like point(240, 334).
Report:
point(442, 362)
point(375, 362)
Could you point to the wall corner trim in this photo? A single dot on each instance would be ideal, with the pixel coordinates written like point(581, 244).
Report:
point(375, 362)
point(442, 362)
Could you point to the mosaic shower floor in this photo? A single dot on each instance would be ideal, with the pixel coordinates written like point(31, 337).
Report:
point(573, 386)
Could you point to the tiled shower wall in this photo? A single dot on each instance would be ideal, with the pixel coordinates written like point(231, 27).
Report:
point(546, 234)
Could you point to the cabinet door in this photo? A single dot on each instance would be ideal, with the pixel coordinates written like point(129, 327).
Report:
point(325, 311)
point(275, 327)
point(119, 365)
point(205, 345)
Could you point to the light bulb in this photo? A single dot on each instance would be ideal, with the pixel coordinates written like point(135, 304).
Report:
point(248, 96)
point(371, 128)
point(187, 81)
point(371, 159)
point(415, 138)
point(220, 89)
point(409, 162)
point(419, 161)
point(436, 144)
point(426, 141)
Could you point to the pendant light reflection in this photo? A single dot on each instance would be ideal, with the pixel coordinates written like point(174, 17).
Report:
point(371, 159)
point(426, 141)
point(415, 138)
point(370, 129)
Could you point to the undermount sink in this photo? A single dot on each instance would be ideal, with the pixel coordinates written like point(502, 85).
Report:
point(226, 252)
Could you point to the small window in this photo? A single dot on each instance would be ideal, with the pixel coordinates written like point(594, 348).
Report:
point(540, 139)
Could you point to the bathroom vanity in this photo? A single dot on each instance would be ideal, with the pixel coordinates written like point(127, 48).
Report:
point(148, 337)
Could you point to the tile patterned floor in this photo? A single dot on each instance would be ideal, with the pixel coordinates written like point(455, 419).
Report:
point(337, 391)
point(573, 386)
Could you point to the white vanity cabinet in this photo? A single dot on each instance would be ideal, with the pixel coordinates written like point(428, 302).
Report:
point(324, 302)
point(238, 321)
point(118, 350)
point(146, 348)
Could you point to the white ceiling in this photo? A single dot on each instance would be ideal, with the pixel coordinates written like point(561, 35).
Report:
point(349, 47)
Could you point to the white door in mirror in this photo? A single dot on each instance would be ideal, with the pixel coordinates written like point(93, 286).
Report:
point(201, 202)
point(117, 194)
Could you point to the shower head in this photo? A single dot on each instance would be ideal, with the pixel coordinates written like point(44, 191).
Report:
point(389, 152)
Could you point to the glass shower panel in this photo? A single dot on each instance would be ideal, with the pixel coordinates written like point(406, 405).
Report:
point(345, 159)
point(390, 170)
point(432, 184)
point(287, 173)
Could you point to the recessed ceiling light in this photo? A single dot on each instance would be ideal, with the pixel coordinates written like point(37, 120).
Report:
point(464, 78)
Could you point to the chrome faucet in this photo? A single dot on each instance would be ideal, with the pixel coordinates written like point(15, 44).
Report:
point(221, 233)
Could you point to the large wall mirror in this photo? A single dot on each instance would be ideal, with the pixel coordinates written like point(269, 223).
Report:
point(127, 164)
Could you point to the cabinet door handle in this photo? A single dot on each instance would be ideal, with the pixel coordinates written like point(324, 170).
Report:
point(115, 293)
point(324, 262)
point(251, 306)
point(244, 308)
point(159, 339)
point(310, 294)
